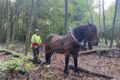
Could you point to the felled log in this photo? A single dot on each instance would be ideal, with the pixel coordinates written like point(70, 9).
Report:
point(9, 52)
point(102, 50)
point(98, 74)
point(118, 44)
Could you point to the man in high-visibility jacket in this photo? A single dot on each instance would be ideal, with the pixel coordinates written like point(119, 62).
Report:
point(36, 42)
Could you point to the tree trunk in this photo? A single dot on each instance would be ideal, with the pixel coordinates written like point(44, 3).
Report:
point(66, 13)
point(117, 22)
point(113, 25)
point(91, 16)
point(30, 21)
point(99, 14)
point(104, 22)
point(16, 21)
point(27, 35)
point(99, 21)
point(8, 23)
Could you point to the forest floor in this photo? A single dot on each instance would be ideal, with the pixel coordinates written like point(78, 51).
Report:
point(108, 64)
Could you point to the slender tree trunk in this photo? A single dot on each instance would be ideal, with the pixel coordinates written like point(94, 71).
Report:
point(104, 22)
point(36, 13)
point(8, 23)
point(16, 21)
point(27, 34)
point(66, 13)
point(99, 17)
point(29, 26)
point(117, 22)
point(99, 14)
point(113, 25)
point(91, 16)
point(117, 25)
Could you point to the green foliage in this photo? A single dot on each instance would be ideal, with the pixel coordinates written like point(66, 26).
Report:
point(16, 65)
point(78, 12)
point(48, 16)
point(44, 12)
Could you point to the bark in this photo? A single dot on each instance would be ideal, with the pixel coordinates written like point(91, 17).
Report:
point(99, 14)
point(8, 23)
point(66, 13)
point(27, 36)
point(91, 16)
point(104, 22)
point(113, 25)
point(16, 21)
point(117, 22)
point(9, 52)
point(29, 27)
point(104, 50)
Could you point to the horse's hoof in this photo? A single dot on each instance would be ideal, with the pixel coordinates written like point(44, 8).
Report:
point(78, 73)
point(66, 72)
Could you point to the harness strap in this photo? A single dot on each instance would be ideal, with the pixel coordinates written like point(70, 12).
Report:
point(71, 33)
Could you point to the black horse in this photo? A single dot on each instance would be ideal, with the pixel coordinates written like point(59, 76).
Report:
point(69, 44)
point(88, 44)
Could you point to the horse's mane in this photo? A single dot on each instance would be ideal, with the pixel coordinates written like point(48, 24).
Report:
point(80, 30)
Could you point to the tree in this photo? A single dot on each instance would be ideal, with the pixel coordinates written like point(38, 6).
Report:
point(15, 26)
point(66, 13)
point(113, 25)
point(104, 22)
point(29, 26)
point(91, 16)
point(99, 14)
point(8, 23)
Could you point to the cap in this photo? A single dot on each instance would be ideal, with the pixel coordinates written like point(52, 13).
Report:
point(36, 30)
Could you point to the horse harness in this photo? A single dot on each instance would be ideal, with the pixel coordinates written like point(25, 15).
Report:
point(64, 41)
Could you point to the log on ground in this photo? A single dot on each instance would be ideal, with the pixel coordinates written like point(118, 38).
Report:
point(98, 74)
point(104, 50)
point(9, 52)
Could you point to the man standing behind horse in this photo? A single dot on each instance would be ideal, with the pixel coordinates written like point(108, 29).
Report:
point(36, 43)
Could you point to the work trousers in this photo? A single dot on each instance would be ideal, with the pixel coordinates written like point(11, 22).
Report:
point(35, 54)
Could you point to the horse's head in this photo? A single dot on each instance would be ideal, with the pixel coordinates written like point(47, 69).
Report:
point(91, 33)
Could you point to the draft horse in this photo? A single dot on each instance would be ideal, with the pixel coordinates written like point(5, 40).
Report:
point(69, 44)
point(88, 44)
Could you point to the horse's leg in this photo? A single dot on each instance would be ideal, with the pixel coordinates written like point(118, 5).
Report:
point(66, 63)
point(48, 54)
point(84, 45)
point(75, 56)
point(90, 44)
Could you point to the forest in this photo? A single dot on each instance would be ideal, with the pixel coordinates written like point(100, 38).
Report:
point(20, 18)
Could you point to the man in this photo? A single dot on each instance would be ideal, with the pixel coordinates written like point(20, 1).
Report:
point(36, 42)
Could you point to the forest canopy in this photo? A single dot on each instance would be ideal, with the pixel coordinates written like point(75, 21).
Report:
point(19, 18)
